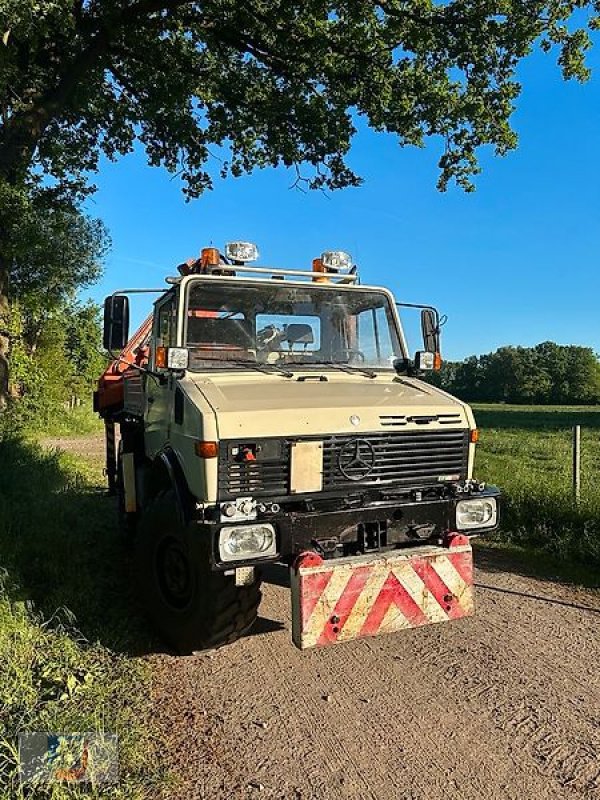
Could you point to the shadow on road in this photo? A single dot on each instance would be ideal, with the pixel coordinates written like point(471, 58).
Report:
point(530, 596)
point(534, 564)
point(60, 545)
point(277, 575)
point(264, 625)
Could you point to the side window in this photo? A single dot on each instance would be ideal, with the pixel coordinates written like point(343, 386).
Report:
point(165, 328)
point(374, 337)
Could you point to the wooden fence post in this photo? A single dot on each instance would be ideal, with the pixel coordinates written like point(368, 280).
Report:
point(577, 462)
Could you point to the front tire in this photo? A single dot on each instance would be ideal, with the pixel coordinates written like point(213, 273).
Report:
point(192, 606)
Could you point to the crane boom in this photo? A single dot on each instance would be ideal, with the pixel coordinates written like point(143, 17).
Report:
point(110, 394)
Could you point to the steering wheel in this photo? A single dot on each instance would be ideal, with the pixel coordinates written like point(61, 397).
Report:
point(349, 354)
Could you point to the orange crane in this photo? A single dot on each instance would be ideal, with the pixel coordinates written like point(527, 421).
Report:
point(109, 397)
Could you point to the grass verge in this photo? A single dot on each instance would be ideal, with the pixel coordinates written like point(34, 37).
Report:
point(527, 451)
point(70, 637)
point(69, 422)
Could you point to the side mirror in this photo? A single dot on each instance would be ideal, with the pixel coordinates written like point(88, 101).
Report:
point(430, 329)
point(116, 322)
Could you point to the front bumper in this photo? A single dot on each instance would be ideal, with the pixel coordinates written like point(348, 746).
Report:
point(350, 598)
point(351, 527)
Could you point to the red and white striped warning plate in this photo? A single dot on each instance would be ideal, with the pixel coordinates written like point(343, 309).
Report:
point(349, 598)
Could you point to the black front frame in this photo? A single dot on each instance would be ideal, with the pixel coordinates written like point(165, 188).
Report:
point(300, 529)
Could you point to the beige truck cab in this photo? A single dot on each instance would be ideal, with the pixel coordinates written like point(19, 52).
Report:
point(278, 413)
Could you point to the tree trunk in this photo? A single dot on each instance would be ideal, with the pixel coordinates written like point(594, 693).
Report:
point(17, 144)
point(4, 340)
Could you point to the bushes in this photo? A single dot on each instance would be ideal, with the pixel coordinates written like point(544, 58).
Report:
point(54, 357)
point(51, 682)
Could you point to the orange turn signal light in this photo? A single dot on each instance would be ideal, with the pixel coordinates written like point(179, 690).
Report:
point(474, 436)
point(207, 449)
point(161, 357)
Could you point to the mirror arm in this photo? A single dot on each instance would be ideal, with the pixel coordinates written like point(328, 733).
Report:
point(159, 376)
point(439, 320)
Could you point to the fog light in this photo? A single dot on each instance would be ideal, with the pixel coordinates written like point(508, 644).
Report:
point(480, 513)
point(242, 542)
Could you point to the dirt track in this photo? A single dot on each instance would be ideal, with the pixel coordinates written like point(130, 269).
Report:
point(504, 705)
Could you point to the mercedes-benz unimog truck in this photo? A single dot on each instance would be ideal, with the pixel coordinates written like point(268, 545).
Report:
point(277, 415)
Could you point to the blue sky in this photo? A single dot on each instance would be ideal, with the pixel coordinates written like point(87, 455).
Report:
point(516, 262)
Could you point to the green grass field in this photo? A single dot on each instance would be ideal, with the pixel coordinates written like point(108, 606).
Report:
point(527, 451)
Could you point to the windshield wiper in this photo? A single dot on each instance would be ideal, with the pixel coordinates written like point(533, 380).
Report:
point(350, 369)
point(268, 369)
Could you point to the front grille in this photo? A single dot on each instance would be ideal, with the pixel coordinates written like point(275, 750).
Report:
point(399, 458)
point(408, 458)
point(268, 476)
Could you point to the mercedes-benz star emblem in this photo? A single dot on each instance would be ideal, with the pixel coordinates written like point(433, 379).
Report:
point(356, 459)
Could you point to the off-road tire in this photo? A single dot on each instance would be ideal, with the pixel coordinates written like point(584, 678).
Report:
point(191, 606)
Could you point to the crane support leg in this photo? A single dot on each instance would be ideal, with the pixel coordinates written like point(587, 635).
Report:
point(111, 456)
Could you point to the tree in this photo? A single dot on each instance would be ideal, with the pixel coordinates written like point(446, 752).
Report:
point(83, 331)
point(52, 251)
point(64, 363)
point(467, 379)
point(265, 82)
point(546, 373)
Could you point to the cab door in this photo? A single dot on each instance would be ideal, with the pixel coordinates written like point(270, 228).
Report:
point(159, 408)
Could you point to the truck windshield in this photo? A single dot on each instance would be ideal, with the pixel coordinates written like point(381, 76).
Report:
point(233, 324)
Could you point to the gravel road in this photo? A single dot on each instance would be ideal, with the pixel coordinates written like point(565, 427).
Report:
point(91, 448)
point(502, 705)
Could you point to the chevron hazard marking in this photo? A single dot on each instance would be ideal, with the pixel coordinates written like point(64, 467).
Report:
point(339, 600)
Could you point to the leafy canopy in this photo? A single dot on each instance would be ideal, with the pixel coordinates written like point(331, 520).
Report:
point(53, 248)
point(266, 82)
point(546, 373)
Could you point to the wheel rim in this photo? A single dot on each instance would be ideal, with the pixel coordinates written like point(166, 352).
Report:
point(174, 573)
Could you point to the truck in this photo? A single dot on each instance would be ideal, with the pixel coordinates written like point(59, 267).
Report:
point(275, 416)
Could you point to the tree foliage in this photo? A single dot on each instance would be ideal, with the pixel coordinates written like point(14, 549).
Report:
point(224, 87)
point(270, 81)
point(64, 364)
point(547, 373)
point(53, 250)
